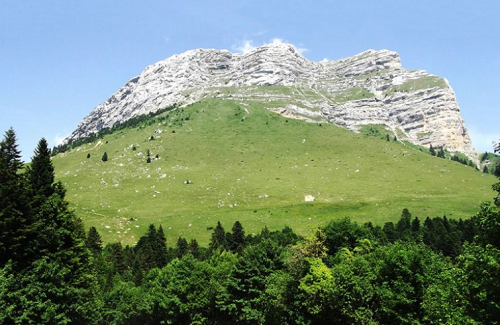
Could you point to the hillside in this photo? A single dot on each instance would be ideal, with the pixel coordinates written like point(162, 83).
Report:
point(247, 163)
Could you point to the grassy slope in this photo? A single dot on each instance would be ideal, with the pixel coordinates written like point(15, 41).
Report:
point(251, 165)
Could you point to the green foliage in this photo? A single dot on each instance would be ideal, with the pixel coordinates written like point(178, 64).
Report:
point(343, 234)
point(480, 268)
point(104, 156)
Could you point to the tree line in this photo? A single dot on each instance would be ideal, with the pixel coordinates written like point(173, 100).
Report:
point(414, 271)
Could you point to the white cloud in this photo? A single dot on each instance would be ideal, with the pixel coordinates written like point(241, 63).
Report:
point(483, 141)
point(260, 33)
point(324, 60)
point(244, 46)
point(59, 139)
point(301, 50)
point(247, 45)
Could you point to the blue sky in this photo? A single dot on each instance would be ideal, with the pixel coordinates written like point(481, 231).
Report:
point(59, 59)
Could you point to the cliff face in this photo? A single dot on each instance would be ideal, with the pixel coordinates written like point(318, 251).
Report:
point(369, 88)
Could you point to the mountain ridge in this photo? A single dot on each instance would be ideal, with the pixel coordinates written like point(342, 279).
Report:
point(371, 87)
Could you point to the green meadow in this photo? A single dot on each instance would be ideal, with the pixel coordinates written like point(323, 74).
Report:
point(248, 164)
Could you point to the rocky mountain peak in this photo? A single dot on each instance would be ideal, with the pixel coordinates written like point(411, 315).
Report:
point(371, 87)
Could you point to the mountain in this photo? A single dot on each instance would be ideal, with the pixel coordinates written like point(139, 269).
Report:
point(368, 88)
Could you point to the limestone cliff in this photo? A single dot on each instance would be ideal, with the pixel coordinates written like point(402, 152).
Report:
point(368, 88)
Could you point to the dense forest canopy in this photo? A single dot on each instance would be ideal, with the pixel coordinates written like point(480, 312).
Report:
point(416, 271)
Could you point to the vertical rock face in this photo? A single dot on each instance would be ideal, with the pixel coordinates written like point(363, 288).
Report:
point(368, 88)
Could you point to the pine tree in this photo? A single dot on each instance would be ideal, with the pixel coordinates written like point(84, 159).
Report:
point(94, 241)
point(238, 237)
point(41, 172)
point(105, 156)
point(218, 241)
point(161, 248)
point(432, 151)
point(194, 248)
point(415, 228)
point(440, 153)
point(182, 247)
point(88, 155)
point(14, 218)
point(485, 169)
point(403, 226)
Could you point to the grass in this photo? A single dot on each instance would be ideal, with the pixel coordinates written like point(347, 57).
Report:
point(351, 94)
point(417, 84)
point(255, 166)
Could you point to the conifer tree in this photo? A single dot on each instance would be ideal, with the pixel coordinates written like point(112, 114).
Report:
point(41, 172)
point(432, 151)
point(194, 248)
point(14, 219)
point(218, 240)
point(94, 241)
point(415, 228)
point(440, 153)
point(182, 247)
point(161, 248)
point(404, 224)
point(238, 237)
point(105, 156)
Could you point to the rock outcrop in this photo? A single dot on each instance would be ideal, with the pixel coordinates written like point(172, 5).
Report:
point(369, 88)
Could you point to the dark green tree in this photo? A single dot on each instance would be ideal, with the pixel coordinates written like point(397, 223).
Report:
point(245, 288)
point(104, 157)
point(182, 247)
point(390, 232)
point(41, 171)
point(161, 248)
point(343, 233)
point(218, 240)
point(194, 248)
point(431, 150)
point(403, 226)
point(415, 229)
point(94, 241)
point(238, 238)
point(88, 155)
point(15, 220)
